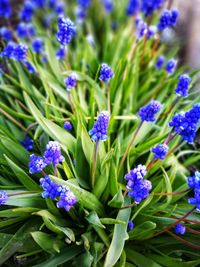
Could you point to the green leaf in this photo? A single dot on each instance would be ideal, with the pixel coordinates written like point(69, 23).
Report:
point(139, 259)
point(119, 237)
point(93, 218)
point(142, 231)
point(23, 177)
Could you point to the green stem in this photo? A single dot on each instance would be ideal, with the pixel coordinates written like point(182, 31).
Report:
point(129, 147)
point(94, 163)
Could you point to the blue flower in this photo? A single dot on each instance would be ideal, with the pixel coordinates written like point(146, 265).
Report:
point(108, 5)
point(66, 30)
point(6, 34)
point(151, 31)
point(141, 29)
point(20, 52)
point(81, 14)
point(39, 3)
point(106, 73)
point(31, 69)
point(60, 54)
point(8, 51)
point(38, 45)
point(171, 66)
point(59, 8)
point(71, 81)
point(194, 181)
point(3, 197)
point(150, 6)
point(50, 188)
point(67, 200)
point(135, 175)
point(100, 128)
point(168, 19)
point(68, 126)
point(21, 30)
point(27, 143)
point(148, 112)
point(138, 188)
point(160, 151)
point(30, 30)
point(160, 62)
point(27, 11)
point(53, 153)
point(36, 164)
point(130, 225)
point(133, 7)
point(5, 8)
point(183, 85)
point(180, 229)
point(84, 3)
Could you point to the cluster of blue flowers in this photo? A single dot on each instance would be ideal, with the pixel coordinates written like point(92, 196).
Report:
point(70, 81)
point(185, 123)
point(106, 73)
point(170, 65)
point(168, 19)
point(27, 143)
point(148, 112)
point(180, 229)
point(183, 85)
point(53, 190)
point(138, 188)
point(38, 45)
point(52, 155)
point(108, 5)
point(5, 9)
point(6, 34)
point(3, 197)
point(66, 31)
point(160, 151)
point(148, 7)
point(100, 128)
point(194, 183)
point(25, 30)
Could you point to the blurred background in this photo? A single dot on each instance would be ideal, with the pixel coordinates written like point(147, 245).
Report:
point(187, 30)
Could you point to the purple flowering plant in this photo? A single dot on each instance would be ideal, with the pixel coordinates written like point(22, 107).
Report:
point(99, 146)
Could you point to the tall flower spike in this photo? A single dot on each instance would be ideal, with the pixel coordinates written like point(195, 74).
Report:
point(180, 229)
point(3, 197)
point(53, 153)
point(100, 128)
point(160, 151)
point(66, 30)
point(148, 112)
point(135, 175)
point(50, 188)
point(171, 66)
point(183, 85)
point(140, 190)
point(36, 164)
point(67, 199)
point(133, 7)
point(71, 81)
point(106, 73)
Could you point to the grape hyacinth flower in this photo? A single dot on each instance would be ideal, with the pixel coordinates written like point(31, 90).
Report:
point(194, 183)
point(50, 188)
point(160, 62)
point(108, 5)
point(141, 29)
point(27, 143)
point(130, 225)
point(60, 54)
point(30, 30)
point(3, 197)
point(151, 31)
point(84, 3)
point(137, 187)
point(38, 45)
point(183, 85)
point(20, 52)
point(150, 6)
point(27, 11)
point(36, 164)
point(29, 67)
point(66, 31)
point(6, 34)
point(160, 151)
point(8, 51)
point(148, 112)
point(81, 14)
point(100, 128)
point(185, 123)
point(5, 8)
point(168, 19)
point(180, 229)
point(133, 7)
point(106, 73)
point(53, 153)
point(39, 3)
point(67, 199)
point(21, 30)
point(68, 126)
point(171, 66)
point(71, 81)
point(60, 8)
